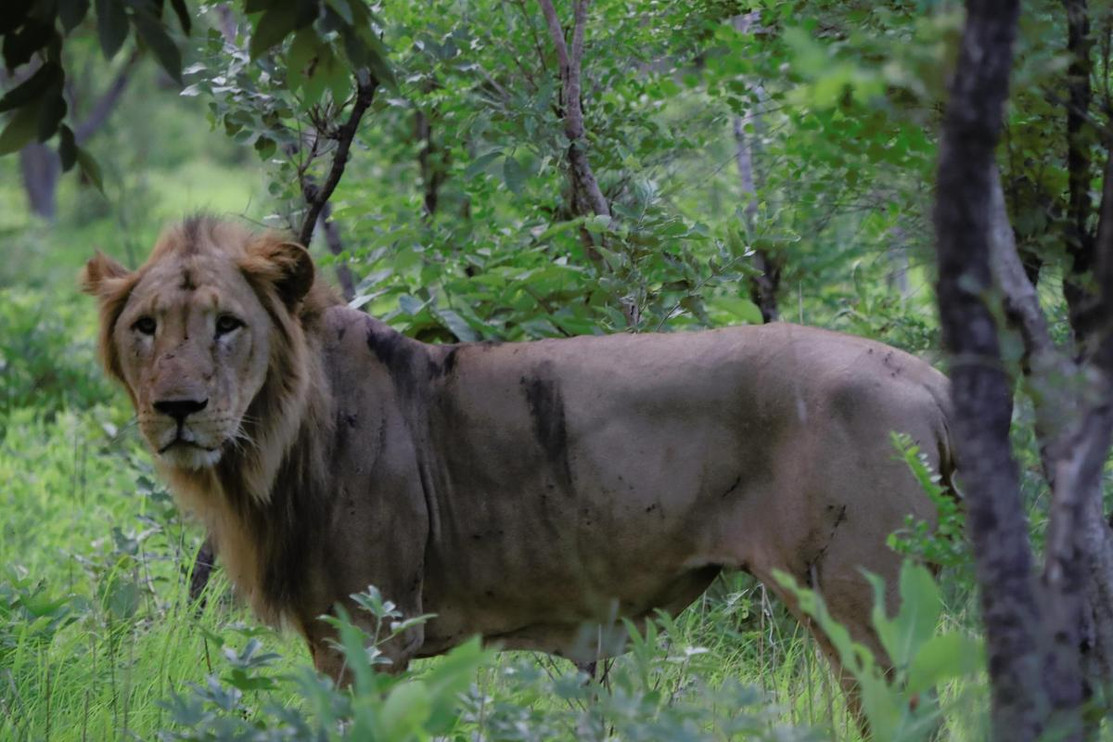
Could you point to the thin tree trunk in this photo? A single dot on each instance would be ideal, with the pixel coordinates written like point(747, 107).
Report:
point(40, 165)
point(336, 247)
point(1079, 241)
point(981, 389)
point(587, 197)
point(428, 156)
point(40, 168)
point(765, 285)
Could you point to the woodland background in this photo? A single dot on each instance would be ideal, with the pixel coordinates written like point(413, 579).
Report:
point(733, 163)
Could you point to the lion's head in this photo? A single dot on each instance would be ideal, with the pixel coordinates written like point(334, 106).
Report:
point(207, 339)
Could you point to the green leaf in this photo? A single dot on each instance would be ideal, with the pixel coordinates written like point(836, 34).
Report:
point(450, 677)
point(67, 148)
point(405, 711)
point(21, 129)
point(559, 227)
point(34, 87)
point(72, 12)
point(90, 169)
point(29, 38)
point(457, 325)
point(182, 12)
point(479, 164)
point(112, 26)
point(264, 147)
point(274, 25)
point(942, 658)
point(513, 175)
point(917, 618)
point(52, 109)
point(302, 51)
point(159, 42)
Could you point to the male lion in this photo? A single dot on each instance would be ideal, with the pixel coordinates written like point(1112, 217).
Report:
point(519, 491)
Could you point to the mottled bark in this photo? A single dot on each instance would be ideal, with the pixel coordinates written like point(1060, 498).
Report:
point(766, 282)
point(587, 198)
point(981, 388)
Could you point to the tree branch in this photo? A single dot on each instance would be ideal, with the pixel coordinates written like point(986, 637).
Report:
point(316, 197)
point(587, 196)
point(107, 101)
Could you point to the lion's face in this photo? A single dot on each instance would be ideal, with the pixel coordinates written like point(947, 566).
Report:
point(190, 334)
point(193, 348)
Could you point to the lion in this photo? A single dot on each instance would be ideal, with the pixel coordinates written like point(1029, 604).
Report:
point(532, 493)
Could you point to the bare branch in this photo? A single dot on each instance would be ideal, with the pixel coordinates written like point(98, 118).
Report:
point(316, 197)
point(107, 101)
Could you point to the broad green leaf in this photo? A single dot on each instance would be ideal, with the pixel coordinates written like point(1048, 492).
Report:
point(942, 658)
point(456, 324)
point(405, 711)
point(302, 51)
point(513, 174)
point(52, 109)
point(72, 12)
point(67, 148)
point(21, 129)
point(915, 622)
point(273, 27)
point(112, 26)
point(182, 11)
point(90, 169)
point(480, 163)
point(158, 41)
point(559, 227)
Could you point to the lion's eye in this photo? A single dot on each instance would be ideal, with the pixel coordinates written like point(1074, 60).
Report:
point(225, 323)
point(145, 325)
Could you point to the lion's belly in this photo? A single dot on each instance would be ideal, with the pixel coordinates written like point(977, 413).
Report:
point(615, 529)
point(556, 612)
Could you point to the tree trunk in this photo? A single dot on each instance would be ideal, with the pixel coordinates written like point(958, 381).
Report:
point(1079, 240)
point(981, 389)
point(40, 168)
point(587, 198)
point(765, 285)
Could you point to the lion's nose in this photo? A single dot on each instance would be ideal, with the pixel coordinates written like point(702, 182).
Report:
point(180, 409)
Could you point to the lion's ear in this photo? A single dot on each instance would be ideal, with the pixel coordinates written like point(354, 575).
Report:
point(101, 275)
point(287, 265)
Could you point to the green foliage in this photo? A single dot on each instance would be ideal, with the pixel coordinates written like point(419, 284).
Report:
point(37, 31)
point(943, 544)
point(42, 363)
point(900, 704)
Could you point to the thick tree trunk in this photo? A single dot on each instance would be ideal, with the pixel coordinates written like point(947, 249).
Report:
point(981, 389)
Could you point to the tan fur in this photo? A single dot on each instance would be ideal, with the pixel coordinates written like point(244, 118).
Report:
point(529, 492)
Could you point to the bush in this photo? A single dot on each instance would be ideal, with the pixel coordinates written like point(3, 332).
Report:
point(47, 354)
